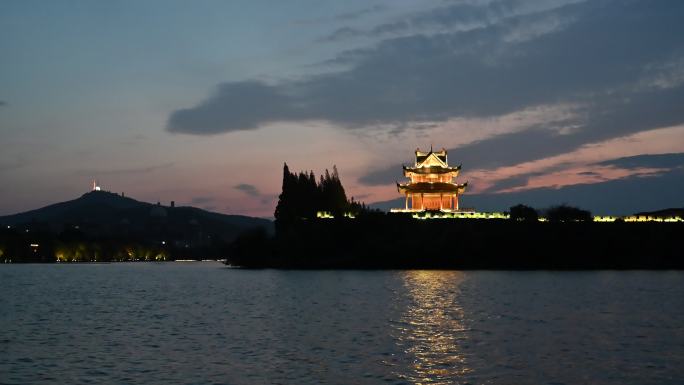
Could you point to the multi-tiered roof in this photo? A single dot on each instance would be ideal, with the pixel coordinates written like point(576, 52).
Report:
point(431, 183)
point(431, 173)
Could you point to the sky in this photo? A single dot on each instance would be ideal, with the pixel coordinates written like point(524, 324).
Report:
point(541, 101)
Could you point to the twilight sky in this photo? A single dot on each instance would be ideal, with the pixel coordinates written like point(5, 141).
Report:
point(543, 101)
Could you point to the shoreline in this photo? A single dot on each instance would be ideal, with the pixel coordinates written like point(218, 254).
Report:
point(394, 242)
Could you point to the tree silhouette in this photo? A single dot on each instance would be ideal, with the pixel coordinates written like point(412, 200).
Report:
point(522, 213)
point(565, 213)
point(302, 197)
point(285, 211)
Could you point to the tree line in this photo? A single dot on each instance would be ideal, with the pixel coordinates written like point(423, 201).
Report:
point(559, 213)
point(302, 197)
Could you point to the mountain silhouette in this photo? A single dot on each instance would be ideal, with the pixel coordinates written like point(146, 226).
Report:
point(102, 211)
point(671, 212)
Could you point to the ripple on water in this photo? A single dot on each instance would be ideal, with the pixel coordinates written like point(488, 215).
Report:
point(202, 323)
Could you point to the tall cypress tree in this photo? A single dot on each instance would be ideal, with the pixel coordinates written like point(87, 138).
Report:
point(338, 198)
point(302, 197)
point(285, 211)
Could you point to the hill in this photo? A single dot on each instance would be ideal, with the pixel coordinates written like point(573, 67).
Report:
point(672, 212)
point(101, 212)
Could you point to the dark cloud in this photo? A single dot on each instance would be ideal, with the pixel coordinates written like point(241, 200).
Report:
point(234, 107)
point(360, 13)
point(669, 161)
point(247, 189)
point(3, 103)
point(252, 191)
point(601, 53)
point(458, 17)
point(491, 199)
point(609, 119)
point(346, 16)
point(588, 173)
point(389, 28)
point(467, 16)
point(360, 196)
point(610, 197)
point(516, 181)
point(343, 33)
point(616, 197)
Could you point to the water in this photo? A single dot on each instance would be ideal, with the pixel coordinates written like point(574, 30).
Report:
point(201, 323)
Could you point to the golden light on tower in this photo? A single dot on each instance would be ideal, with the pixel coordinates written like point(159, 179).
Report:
point(431, 184)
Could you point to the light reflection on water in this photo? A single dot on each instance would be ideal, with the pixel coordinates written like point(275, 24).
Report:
point(431, 330)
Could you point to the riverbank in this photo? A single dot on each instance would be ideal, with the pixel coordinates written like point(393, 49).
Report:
point(401, 242)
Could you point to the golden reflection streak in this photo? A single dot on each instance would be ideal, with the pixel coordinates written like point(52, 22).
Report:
point(431, 330)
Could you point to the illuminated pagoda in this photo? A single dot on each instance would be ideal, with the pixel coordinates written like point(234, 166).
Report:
point(431, 185)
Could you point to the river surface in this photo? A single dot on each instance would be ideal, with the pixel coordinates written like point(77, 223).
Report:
point(202, 323)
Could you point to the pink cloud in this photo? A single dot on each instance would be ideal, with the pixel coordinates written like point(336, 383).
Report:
point(580, 166)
